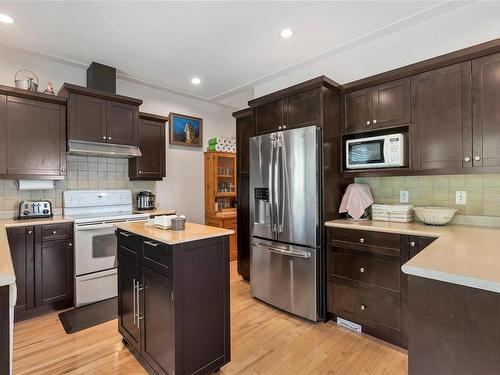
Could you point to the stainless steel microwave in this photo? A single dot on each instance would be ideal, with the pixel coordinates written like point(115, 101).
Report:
point(383, 151)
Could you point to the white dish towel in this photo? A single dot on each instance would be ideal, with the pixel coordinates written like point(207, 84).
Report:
point(356, 199)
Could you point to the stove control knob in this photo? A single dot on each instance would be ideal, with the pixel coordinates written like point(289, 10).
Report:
point(26, 212)
point(45, 211)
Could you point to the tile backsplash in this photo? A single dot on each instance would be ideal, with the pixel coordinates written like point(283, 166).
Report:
point(483, 191)
point(83, 173)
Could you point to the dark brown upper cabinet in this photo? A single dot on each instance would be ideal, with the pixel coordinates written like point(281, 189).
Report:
point(151, 165)
point(269, 117)
point(89, 116)
point(441, 117)
point(486, 111)
point(293, 111)
point(98, 116)
point(379, 106)
point(32, 135)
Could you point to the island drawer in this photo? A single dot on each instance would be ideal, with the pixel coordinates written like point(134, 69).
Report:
point(370, 270)
point(129, 243)
point(369, 303)
point(157, 256)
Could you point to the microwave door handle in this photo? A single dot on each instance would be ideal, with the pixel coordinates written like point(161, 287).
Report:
point(386, 152)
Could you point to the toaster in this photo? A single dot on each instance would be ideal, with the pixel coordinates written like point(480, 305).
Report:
point(35, 209)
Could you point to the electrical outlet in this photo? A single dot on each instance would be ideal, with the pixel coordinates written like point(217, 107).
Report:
point(404, 196)
point(461, 197)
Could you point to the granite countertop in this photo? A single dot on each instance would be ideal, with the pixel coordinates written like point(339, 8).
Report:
point(7, 275)
point(193, 232)
point(463, 255)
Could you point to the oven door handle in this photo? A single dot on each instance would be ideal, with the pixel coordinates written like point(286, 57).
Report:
point(93, 226)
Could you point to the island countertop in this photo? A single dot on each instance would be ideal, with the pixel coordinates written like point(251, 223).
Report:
point(463, 255)
point(193, 232)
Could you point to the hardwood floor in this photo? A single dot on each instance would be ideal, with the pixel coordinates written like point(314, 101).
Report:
point(264, 341)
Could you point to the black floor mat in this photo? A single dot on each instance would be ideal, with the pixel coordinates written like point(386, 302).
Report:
point(90, 315)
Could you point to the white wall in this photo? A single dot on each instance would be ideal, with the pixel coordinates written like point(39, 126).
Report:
point(463, 27)
point(183, 188)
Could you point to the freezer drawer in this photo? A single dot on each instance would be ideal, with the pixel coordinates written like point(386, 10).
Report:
point(284, 276)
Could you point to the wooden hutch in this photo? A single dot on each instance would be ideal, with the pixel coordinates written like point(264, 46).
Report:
point(220, 194)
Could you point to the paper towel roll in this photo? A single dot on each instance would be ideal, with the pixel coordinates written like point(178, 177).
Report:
point(36, 185)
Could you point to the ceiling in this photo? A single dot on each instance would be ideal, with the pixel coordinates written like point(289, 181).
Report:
point(231, 46)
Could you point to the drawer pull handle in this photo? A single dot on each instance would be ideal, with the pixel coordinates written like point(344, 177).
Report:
point(412, 243)
point(362, 269)
point(155, 244)
point(30, 231)
point(362, 240)
point(126, 234)
point(54, 232)
point(362, 307)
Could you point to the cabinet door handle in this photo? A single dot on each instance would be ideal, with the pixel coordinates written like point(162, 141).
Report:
point(279, 127)
point(140, 172)
point(109, 138)
point(467, 159)
point(104, 137)
point(375, 121)
point(362, 269)
point(362, 240)
point(284, 126)
point(477, 158)
point(368, 123)
point(63, 170)
point(412, 243)
point(70, 244)
point(362, 307)
point(155, 244)
point(30, 231)
point(134, 298)
point(54, 232)
point(138, 288)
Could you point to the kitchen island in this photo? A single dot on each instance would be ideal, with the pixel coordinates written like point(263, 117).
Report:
point(173, 297)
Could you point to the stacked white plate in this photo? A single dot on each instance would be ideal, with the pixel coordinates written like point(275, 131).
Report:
point(401, 213)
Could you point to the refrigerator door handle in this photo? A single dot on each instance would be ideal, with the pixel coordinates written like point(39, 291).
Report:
point(271, 185)
point(281, 190)
point(275, 207)
point(295, 254)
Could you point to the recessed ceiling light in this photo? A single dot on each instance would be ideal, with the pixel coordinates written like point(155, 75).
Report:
point(6, 19)
point(286, 33)
point(195, 81)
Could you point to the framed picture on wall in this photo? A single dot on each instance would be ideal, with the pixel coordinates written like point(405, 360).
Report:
point(185, 130)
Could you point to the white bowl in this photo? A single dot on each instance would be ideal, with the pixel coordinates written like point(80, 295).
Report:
point(435, 215)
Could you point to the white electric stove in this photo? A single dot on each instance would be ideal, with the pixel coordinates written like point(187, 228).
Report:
point(95, 214)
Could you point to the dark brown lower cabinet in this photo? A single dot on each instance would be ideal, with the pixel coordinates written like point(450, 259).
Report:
point(4, 330)
point(365, 281)
point(43, 265)
point(173, 303)
point(454, 329)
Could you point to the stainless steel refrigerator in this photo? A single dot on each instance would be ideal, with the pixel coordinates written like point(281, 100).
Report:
point(285, 214)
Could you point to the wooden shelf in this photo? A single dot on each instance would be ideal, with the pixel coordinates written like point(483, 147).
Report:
point(231, 194)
